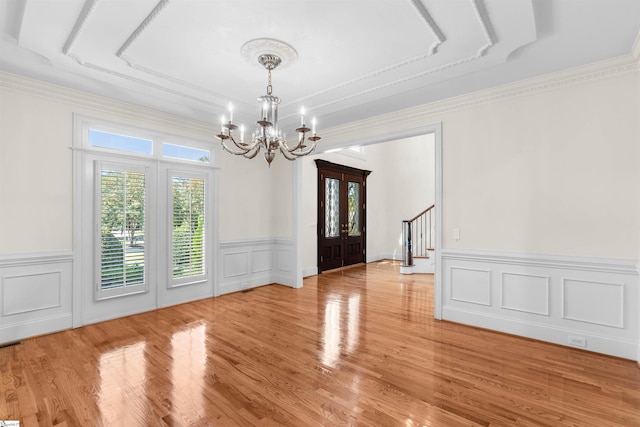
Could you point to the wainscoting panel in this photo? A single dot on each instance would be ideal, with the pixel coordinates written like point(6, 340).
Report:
point(525, 292)
point(262, 260)
point(581, 302)
point(236, 263)
point(470, 285)
point(593, 302)
point(250, 263)
point(35, 294)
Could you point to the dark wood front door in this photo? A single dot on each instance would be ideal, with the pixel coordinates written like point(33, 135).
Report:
point(341, 215)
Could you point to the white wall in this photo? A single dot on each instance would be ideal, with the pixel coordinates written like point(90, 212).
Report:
point(548, 165)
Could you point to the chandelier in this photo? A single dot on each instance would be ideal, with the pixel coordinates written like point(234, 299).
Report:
point(267, 135)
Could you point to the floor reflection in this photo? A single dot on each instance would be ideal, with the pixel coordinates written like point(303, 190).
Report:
point(332, 331)
point(189, 359)
point(417, 305)
point(122, 378)
point(341, 326)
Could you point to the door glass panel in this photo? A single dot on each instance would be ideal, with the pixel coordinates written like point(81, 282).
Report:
point(354, 211)
point(332, 207)
point(122, 214)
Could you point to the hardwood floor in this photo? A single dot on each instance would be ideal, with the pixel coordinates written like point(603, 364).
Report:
point(354, 347)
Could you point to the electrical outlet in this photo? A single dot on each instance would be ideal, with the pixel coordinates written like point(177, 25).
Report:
point(456, 234)
point(244, 285)
point(578, 342)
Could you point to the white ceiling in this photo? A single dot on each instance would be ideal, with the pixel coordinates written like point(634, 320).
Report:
point(356, 58)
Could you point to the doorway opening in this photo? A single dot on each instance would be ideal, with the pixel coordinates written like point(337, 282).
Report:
point(304, 181)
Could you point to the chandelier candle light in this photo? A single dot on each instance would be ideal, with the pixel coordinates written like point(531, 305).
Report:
point(267, 136)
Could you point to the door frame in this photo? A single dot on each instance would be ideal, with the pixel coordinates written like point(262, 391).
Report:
point(347, 141)
point(324, 165)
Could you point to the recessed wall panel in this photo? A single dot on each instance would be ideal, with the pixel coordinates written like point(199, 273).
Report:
point(262, 260)
point(471, 285)
point(285, 263)
point(524, 292)
point(593, 302)
point(25, 293)
point(235, 264)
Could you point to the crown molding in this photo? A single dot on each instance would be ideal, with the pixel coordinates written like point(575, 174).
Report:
point(417, 116)
point(76, 98)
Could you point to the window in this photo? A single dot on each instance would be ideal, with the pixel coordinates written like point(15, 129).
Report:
point(142, 207)
point(185, 153)
point(188, 225)
point(114, 141)
point(121, 217)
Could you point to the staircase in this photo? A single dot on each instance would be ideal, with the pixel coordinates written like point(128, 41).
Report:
point(418, 252)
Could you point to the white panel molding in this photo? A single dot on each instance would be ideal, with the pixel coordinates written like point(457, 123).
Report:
point(264, 261)
point(26, 293)
point(431, 24)
point(81, 23)
point(472, 285)
point(602, 265)
point(35, 294)
point(162, 4)
point(35, 258)
point(551, 298)
point(594, 305)
point(235, 264)
point(544, 300)
point(79, 26)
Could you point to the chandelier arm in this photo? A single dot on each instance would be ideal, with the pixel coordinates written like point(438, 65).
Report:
point(242, 146)
point(301, 153)
point(251, 155)
point(300, 143)
point(287, 155)
point(229, 150)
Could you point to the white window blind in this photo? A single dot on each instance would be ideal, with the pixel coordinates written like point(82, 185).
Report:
point(122, 228)
point(188, 228)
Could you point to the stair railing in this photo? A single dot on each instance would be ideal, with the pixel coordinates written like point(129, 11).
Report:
point(417, 236)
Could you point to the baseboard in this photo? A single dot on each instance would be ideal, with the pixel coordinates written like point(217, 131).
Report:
point(31, 328)
point(310, 272)
point(596, 343)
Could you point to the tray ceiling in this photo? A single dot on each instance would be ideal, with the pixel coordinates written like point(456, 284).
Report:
point(355, 58)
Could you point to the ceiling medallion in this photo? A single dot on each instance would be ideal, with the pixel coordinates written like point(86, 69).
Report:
point(267, 135)
point(253, 49)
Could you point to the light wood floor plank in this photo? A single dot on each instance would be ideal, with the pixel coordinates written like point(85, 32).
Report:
point(353, 347)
